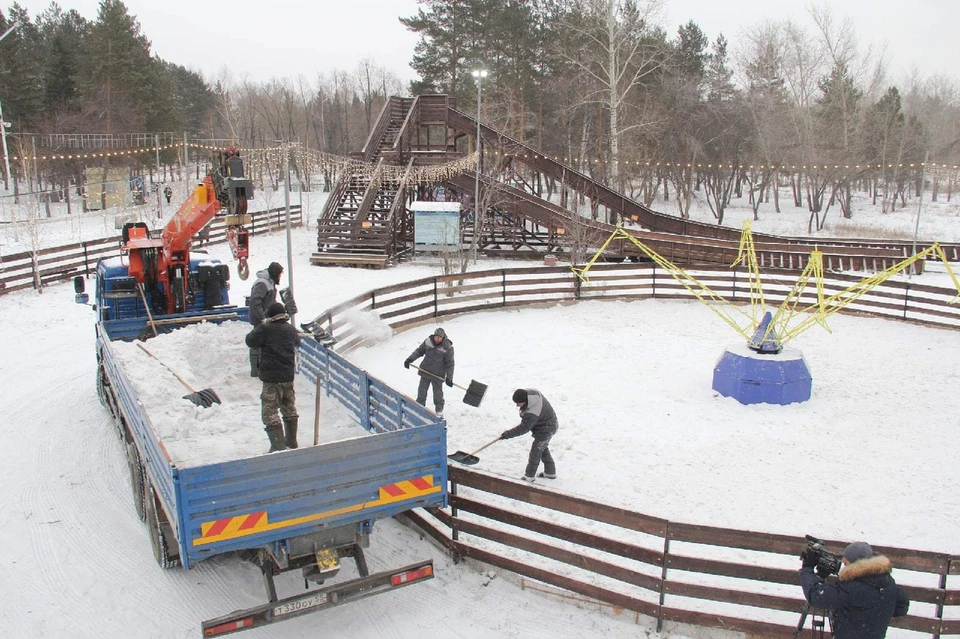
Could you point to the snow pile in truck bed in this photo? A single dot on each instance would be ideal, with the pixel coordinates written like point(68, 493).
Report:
point(215, 356)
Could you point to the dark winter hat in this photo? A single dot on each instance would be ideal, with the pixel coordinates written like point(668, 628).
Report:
point(857, 550)
point(519, 396)
point(276, 309)
point(274, 270)
point(440, 333)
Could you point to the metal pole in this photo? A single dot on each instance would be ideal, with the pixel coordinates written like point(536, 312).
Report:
point(3, 123)
point(475, 244)
point(156, 147)
point(186, 182)
point(916, 228)
point(6, 155)
point(286, 201)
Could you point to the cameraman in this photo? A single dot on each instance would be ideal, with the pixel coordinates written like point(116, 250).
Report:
point(864, 598)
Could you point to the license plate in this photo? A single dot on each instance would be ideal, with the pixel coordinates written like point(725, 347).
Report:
point(300, 604)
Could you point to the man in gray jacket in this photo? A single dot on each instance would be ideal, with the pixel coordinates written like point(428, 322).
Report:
point(263, 294)
point(436, 367)
point(538, 418)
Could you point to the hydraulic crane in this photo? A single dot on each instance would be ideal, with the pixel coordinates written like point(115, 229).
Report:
point(162, 264)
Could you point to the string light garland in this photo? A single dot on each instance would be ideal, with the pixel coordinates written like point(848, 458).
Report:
point(309, 159)
point(312, 162)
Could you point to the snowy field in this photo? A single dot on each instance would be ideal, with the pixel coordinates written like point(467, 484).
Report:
point(868, 456)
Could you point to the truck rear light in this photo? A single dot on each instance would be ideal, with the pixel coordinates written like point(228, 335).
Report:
point(411, 575)
point(230, 626)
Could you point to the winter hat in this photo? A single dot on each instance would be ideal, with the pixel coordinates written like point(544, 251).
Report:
point(442, 334)
point(276, 309)
point(274, 270)
point(519, 396)
point(857, 550)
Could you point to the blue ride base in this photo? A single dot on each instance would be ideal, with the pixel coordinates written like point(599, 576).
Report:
point(768, 378)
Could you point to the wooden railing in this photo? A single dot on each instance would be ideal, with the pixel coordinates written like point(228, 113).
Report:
point(31, 270)
point(421, 301)
point(673, 572)
point(670, 571)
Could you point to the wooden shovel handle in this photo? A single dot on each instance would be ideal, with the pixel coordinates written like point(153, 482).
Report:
point(474, 453)
point(426, 372)
point(146, 307)
point(173, 372)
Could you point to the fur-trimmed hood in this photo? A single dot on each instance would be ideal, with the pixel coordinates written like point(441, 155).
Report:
point(876, 565)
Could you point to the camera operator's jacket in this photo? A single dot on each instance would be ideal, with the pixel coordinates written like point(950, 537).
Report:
point(863, 600)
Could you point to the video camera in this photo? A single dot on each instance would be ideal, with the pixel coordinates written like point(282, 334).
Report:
point(828, 563)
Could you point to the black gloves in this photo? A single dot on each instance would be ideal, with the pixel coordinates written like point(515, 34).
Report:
point(503, 435)
point(450, 382)
point(288, 302)
point(809, 559)
point(406, 363)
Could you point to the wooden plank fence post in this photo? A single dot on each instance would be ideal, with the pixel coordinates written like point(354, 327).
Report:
point(455, 532)
point(663, 577)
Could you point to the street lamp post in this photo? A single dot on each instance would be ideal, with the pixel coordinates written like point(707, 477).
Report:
point(479, 75)
point(4, 124)
point(6, 154)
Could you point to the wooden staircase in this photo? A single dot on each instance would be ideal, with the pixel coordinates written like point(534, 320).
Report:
point(358, 225)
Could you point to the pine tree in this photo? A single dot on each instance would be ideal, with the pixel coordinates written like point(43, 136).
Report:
point(441, 55)
point(719, 76)
point(62, 35)
point(118, 70)
point(691, 53)
point(21, 76)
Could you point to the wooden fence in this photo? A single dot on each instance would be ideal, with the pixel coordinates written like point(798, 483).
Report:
point(57, 263)
point(670, 571)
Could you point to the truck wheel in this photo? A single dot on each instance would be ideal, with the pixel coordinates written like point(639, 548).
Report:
point(136, 480)
point(156, 522)
point(102, 384)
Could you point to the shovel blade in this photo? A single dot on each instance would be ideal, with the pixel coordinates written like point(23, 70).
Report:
point(474, 393)
point(464, 458)
point(204, 398)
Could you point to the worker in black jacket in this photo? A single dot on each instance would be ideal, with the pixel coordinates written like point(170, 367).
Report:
point(263, 294)
point(277, 341)
point(435, 369)
point(538, 418)
point(865, 597)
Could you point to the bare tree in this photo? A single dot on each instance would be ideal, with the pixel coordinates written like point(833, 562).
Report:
point(618, 48)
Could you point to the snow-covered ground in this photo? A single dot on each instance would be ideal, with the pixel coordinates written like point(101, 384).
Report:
point(868, 456)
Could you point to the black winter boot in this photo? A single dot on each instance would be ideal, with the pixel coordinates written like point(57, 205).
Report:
point(290, 432)
point(275, 433)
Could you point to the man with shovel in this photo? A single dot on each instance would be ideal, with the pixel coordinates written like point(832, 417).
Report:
point(277, 341)
point(436, 367)
point(537, 418)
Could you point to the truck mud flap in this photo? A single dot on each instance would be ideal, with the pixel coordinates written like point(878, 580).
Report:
point(319, 599)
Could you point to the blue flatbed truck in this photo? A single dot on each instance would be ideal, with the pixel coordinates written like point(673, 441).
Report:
point(303, 509)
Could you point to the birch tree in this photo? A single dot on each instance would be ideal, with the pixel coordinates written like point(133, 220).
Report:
point(620, 48)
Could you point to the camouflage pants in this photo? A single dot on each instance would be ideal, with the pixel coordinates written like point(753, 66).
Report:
point(277, 397)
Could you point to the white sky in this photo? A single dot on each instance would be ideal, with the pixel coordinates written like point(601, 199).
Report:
point(284, 38)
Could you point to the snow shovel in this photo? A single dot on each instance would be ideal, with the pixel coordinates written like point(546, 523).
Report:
point(474, 394)
point(470, 459)
point(205, 398)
